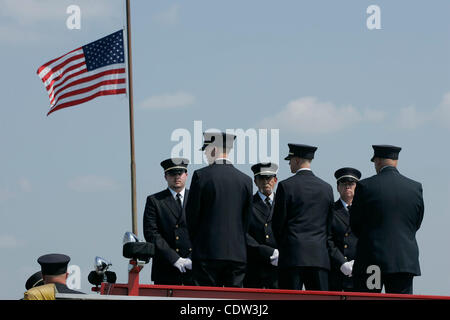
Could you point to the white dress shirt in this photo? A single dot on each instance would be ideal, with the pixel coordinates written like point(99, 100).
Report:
point(174, 195)
point(263, 197)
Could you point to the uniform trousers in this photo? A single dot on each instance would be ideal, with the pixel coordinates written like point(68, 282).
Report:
point(401, 282)
point(218, 273)
point(293, 278)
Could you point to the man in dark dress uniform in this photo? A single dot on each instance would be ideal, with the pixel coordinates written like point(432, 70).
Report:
point(54, 270)
point(302, 212)
point(341, 240)
point(386, 213)
point(165, 227)
point(217, 214)
point(262, 248)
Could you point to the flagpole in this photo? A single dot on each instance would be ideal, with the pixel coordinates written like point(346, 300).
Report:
point(130, 103)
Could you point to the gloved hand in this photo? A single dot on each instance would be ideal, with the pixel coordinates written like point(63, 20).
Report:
point(274, 258)
point(188, 264)
point(180, 265)
point(347, 268)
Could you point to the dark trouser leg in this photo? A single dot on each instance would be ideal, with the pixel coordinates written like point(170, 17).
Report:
point(398, 283)
point(233, 274)
point(270, 281)
point(204, 273)
point(314, 278)
point(289, 278)
point(360, 284)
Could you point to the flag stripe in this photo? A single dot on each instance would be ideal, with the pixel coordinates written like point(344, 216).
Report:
point(62, 78)
point(87, 94)
point(41, 68)
point(75, 75)
point(55, 71)
point(115, 72)
point(97, 94)
point(86, 86)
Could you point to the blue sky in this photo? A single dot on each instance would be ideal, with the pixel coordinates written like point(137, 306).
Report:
point(311, 69)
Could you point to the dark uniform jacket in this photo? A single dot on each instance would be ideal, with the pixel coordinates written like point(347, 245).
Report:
point(260, 243)
point(166, 228)
point(62, 288)
point(341, 246)
point(218, 211)
point(386, 212)
point(303, 208)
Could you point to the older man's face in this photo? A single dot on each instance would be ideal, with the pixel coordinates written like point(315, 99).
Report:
point(266, 184)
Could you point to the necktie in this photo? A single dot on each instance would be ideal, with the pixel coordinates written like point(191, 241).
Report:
point(268, 202)
point(179, 201)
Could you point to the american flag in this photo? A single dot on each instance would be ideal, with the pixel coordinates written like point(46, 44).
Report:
point(96, 69)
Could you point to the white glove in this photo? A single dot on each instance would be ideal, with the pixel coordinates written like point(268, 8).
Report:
point(188, 264)
point(274, 258)
point(347, 268)
point(180, 265)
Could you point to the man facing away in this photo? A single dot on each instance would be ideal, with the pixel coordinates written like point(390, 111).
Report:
point(386, 213)
point(54, 275)
point(303, 209)
point(217, 214)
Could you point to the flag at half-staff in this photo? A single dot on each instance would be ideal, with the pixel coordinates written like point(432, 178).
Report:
point(93, 70)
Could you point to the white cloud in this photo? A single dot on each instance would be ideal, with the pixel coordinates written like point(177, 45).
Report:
point(92, 183)
point(9, 242)
point(308, 115)
point(166, 101)
point(168, 17)
point(410, 118)
point(442, 112)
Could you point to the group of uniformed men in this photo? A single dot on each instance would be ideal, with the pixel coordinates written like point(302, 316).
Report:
point(218, 233)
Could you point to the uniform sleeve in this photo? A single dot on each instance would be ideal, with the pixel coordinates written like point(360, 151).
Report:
point(261, 251)
point(152, 234)
point(248, 206)
point(357, 210)
point(279, 213)
point(421, 209)
point(193, 206)
point(335, 254)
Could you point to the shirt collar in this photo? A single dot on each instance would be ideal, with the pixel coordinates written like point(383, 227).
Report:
point(223, 159)
point(303, 169)
point(344, 204)
point(263, 196)
point(174, 194)
point(386, 167)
